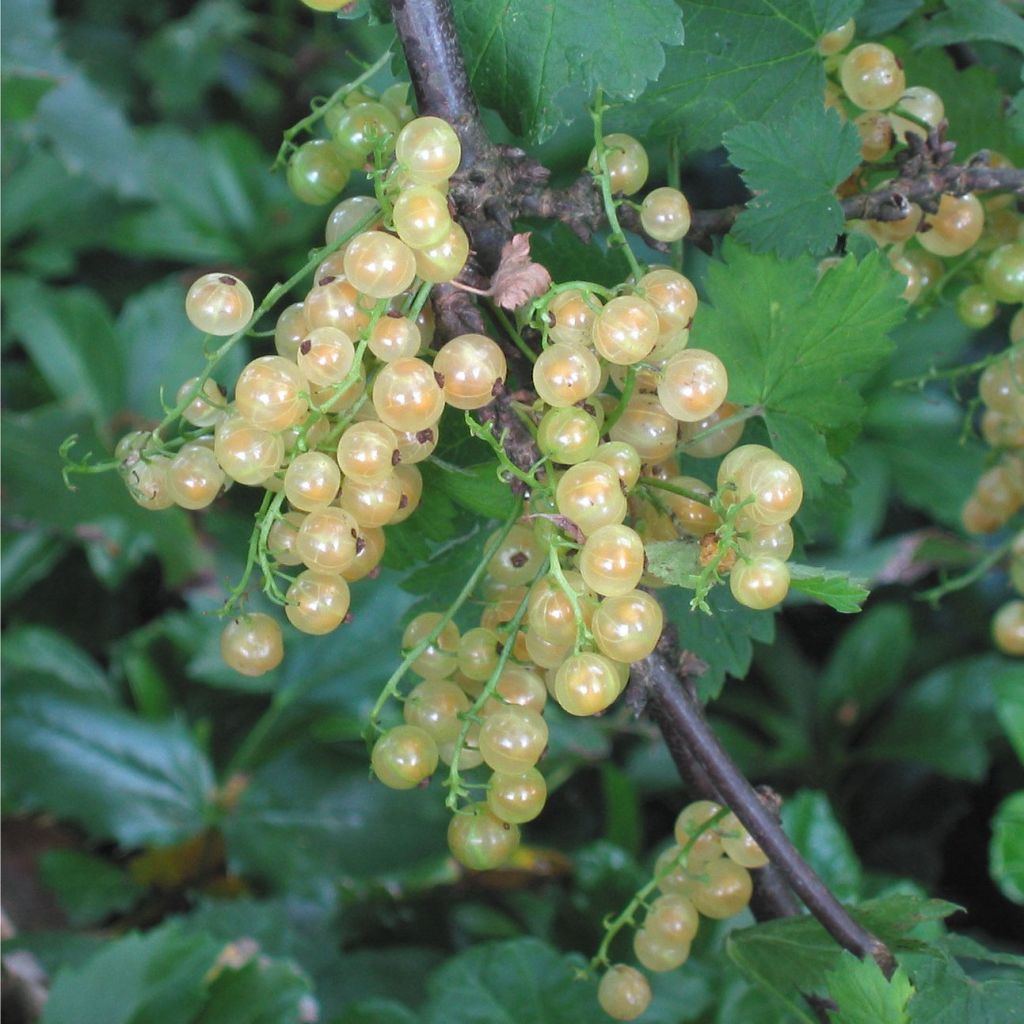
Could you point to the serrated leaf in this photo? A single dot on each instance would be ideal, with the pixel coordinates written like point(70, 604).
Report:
point(945, 720)
point(792, 165)
point(522, 980)
point(742, 61)
point(723, 640)
point(793, 955)
point(977, 115)
point(310, 816)
point(864, 994)
point(69, 334)
point(967, 20)
point(946, 995)
point(839, 590)
point(259, 992)
point(523, 54)
point(797, 346)
point(88, 888)
point(45, 652)
point(156, 978)
point(866, 665)
point(116, 775)
point(876, 17)
point(478, 489)
point(811, 824)
point(1006, 848)
point(1009, 689)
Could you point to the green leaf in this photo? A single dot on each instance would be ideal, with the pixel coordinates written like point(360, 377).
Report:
point(864, 994)
point(1006, 848)
point(876, 17)
point(792, 165)
point(156, 978)
point(523, 54)
point(967, 20)
point(946, 995)
point(92, 136)
point(977, 115)
point(945, 721)
point(161, 349)
point(310, 815)
point(838, 590)
point(793, 955)
point(919, 435)
point(569, 258)
point(866, 665)
point(723, 640)
point(478, 489)
point(742, 61)
point(1009, 690)
point(377, 1011)
point(99, 515)
point(259, 992)
point(214, 200)
point(796, 345)
point(522, 981)
point(811, 824)
point(89, 888)
point(41, 651)
point(21, 94)
point(116, 775)
point(674, 561)
point(69, 334)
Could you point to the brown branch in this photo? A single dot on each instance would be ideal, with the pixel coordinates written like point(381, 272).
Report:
point(493, 185)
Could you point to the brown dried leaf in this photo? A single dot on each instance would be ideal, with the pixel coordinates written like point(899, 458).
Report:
point(518, 279)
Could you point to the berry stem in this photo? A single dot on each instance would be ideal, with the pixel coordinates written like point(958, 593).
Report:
point(583, 634)
point(307, 123)
point(513, 334)
point(673, 176)
point(616, 236)
point(949, 586)
point(627, 393)
point(627, 915)
point(744, 414)
point(391, 686)
point(454, 784)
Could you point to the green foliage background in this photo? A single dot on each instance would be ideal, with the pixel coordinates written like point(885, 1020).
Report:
point(144, 849)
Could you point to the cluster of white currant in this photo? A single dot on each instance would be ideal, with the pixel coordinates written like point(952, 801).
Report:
point(564, 615)
point(872, 80)
point(336, 421)
point(999, 493)
point(706, 872)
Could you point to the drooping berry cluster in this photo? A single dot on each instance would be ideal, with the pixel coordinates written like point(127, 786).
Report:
point(707, 872)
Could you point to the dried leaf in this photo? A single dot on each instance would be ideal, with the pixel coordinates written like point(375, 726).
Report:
point(518, 279)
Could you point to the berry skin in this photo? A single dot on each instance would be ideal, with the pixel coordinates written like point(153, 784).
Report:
point(219, 304)
point(1008, 628)
point(407, 396)
point(626, 330)
point(955, 228)
point(479, 840)
point(379, 265)
point(443, 262)
point(421, 216)
point(471, 366)
point(693, 385)
point(626, 628)
point(612, 560)
point(513, 738)
point(761, 583)
point(872, 76)
point(404, 757)
point(311, 481)
point(565, 373)
point(587, 684)
point(837, 39)
point(247, 453)
point(194, 476)
point(429, 150)
point(1004, 273)
point(665, 214)
point(347, 216)
point(269, 393)
point(624, 993)
point(517, 798)
point(317, 602)
point(317, 172)
point(252, 644)
point(627, 163)
point(208, 405)
point(359, 129)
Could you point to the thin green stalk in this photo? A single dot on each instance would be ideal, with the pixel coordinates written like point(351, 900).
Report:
point(744, 414)
point(583, 635)
point(513, 335)
point(627, 393)
point(935, 594)
point(627, 916)
point(251, 558)
point(391, 686)
point(617, 235)
point(307, 123)
point(664, 485)
point(454, 784)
